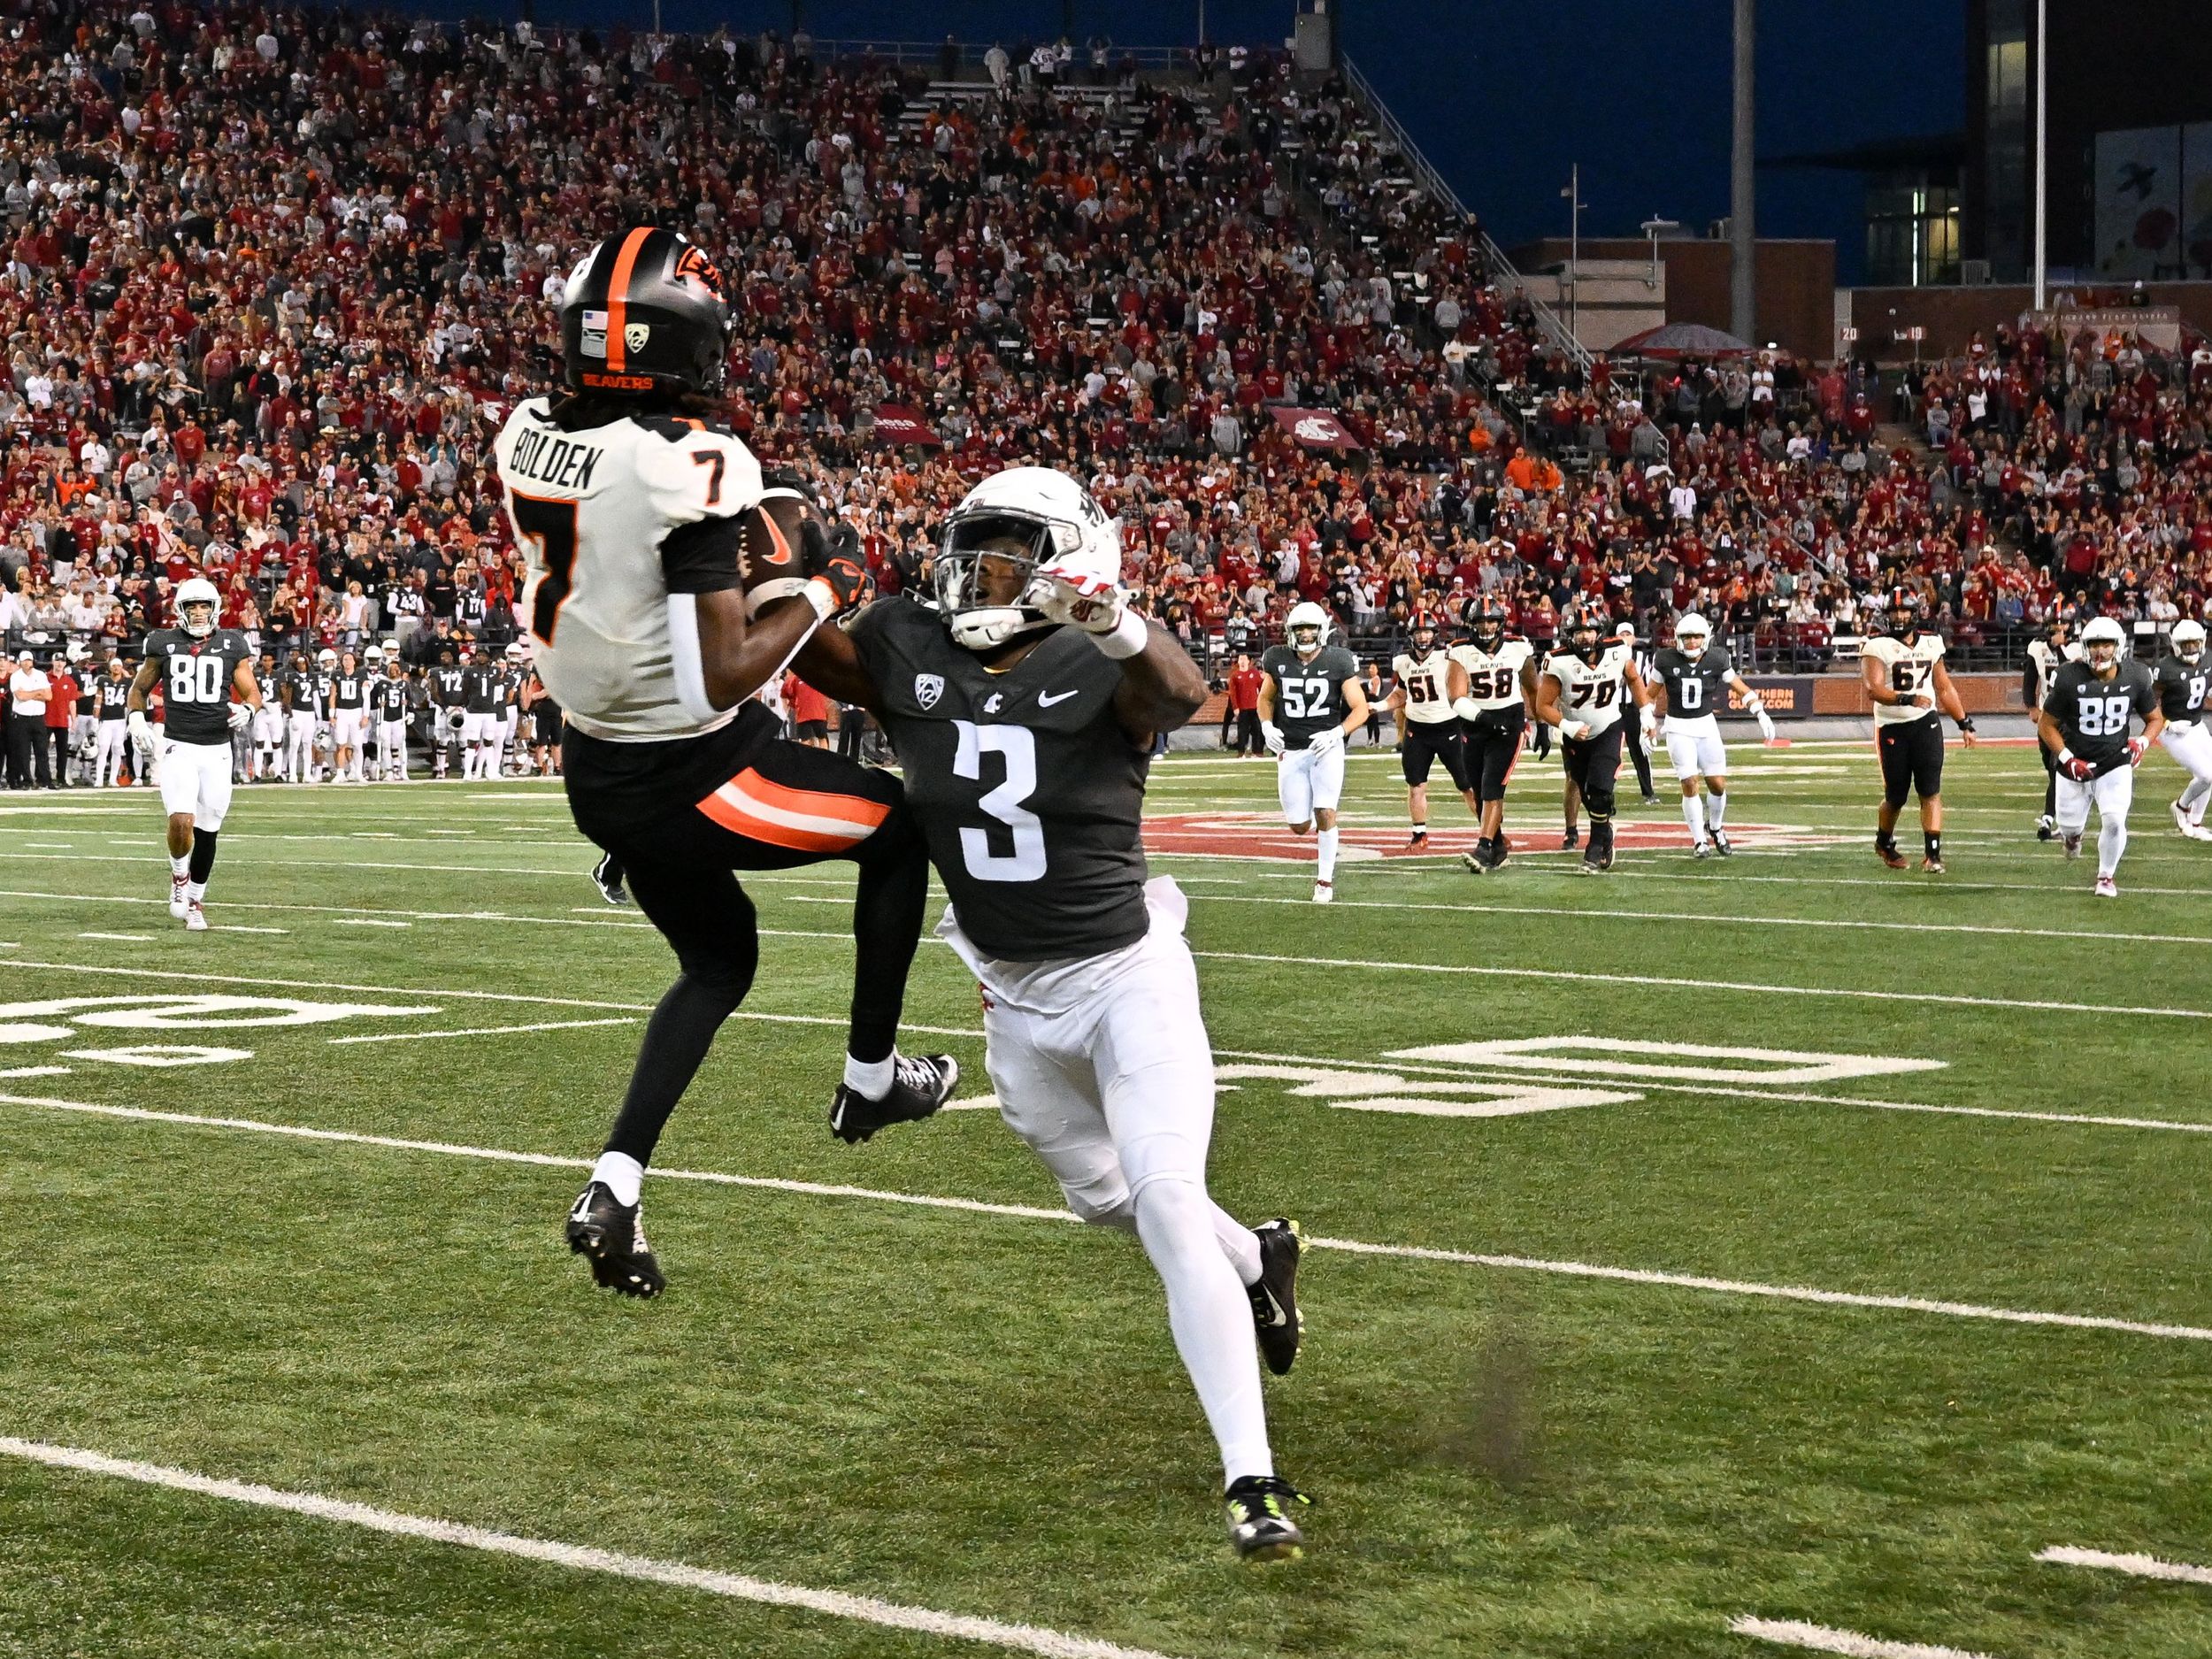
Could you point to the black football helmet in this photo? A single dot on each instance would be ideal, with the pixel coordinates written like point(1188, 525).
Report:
point(1584, 631)
point(1488, 622)
point(644, 314)
point(1908, 615)
point(1422, 633)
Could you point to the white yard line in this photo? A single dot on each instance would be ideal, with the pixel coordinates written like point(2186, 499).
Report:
point(487, 1031)
point(867, 1609)
point(1353, 1247)
point(1820, 1639)
point(2139, 1566)
point(366, 921)
point(127, 939)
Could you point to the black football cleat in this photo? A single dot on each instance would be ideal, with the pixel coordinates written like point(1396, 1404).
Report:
point(1890, 855)
point(1474, 863)
point(611, 1236)
point(919, 1085)
point(1720, 844)
point(1275, 1297)
point(1419, 839)
point(1260, 1527)
point(606, 875)
point(1572, 839)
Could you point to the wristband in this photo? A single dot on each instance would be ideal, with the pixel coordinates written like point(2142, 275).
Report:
point(1966, 723)
point(822, 596)
point(2065, 755)
point(1125, 639)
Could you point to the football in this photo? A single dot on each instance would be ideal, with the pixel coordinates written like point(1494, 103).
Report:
point(771, 559)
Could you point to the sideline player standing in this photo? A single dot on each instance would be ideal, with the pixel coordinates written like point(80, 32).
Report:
point(348, 714)
point(1428, 731)
point(2045, 657)
point(198, 666)
point(2085, 725)
point(295, 690)
point(630, 509)
point(1904, 674)
point(1632, 742)
point(1493, 692)
point(1310, 701)
point(1582, 691)
point(2185, 686)
point(387, 698)
point(111, 700)
point(1695, 674)
point(1023, 710)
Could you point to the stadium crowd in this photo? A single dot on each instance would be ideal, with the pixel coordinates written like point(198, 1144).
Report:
point(274, 277)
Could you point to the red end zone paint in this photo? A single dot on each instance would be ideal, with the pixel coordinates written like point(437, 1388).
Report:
point(1257, 835)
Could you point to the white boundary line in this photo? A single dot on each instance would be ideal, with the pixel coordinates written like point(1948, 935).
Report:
point(1350, 1247)
point(2140, 1566)
point(1792, 1633)
point(867, 1609)
point(488, 1030)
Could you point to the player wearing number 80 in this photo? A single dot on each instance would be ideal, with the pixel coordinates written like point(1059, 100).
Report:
point(1310, 701)
point(2085, 723)
point(197, 666)
point(1023, 710)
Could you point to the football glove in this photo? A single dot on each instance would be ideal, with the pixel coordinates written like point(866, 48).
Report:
point(1541, 743)
point(1076, 599)
point(2075, 767)
point(142, 732)
point(1649, 722)
point(2137, 750)
point(1766, 724)
point(240, 716)
point(832, 558)
point(1273, 735)
point(1575, 729)
point(1328, 740)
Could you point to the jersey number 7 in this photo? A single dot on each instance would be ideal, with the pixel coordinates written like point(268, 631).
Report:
point(549, 528)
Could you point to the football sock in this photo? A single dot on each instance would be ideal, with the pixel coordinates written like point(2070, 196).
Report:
point(1325, 840)
point(2112, 841)
point(871, 1078)
point(676, 1042)
point(623, 1174)
point(2050, 795)
point(183, 866)
point(1239, 1243)
point(203, 858)
point(1212, 1319)
point(888, 905)
point(1693, 815)
point(1931, 842)
point(195, 891)
point(1716, 809)
point(2193, 796)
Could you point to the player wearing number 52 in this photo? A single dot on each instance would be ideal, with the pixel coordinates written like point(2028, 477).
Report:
point(1023, 708)
point(633, 510)
point(197, 665)
point(1311, 701)
point(1902, 664)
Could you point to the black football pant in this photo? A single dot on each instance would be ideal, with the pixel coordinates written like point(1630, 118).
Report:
point(790, 805)
point(1639, 756)
point(2050, 778)
point(1592, 764)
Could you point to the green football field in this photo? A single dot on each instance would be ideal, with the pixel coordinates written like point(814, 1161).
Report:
point(1776, 1240)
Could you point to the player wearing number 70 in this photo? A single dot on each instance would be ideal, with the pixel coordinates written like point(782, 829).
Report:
point(1023, 708)
point(197, 666)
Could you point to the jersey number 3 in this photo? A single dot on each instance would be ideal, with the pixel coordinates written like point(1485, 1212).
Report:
point(1006, 803)
point(549, 528)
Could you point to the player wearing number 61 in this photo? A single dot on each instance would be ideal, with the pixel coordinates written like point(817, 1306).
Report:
point(1023, 708)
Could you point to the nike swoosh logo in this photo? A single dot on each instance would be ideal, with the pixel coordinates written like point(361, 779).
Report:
point(1046, 700)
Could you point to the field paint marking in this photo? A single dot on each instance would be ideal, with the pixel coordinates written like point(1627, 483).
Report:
point(366, 921)
point(1773, 1065)
point(235, 927)
point(2141, 1566)
point(1948, 998)
point(128, 939)
point(1894, 884)
point(1029, 1212)
point(868, 1609)
point(344, 911)
point(1791, 1633)
point(488, 1030)
point(36, 1070)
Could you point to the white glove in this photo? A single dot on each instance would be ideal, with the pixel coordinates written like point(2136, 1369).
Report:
point(1766, 724)
point(142, 733)
point(1273, 735)
point(1647, 720)
point(1076, 598)
point(1329, 740)
point(240, 716)
point(1575, 729)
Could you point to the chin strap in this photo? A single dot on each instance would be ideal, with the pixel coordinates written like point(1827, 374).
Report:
point(992, 626)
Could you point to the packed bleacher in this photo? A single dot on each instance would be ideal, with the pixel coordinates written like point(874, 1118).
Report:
point(273, 279)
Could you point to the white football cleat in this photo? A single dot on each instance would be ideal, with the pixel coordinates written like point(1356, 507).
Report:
point(195, 917)
point(177, 896)
point(2107, 887)
point(2181, 816)
point(2197, 832)
point(1323, 892)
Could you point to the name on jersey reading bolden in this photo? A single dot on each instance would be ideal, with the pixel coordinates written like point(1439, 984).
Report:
point(547, 458)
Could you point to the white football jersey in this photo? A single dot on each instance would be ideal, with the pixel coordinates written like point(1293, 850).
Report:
point(1909, 667)
point(1592, 693)
point(1494, 677)
point(1426, 683)
point(2048, 659)
point(591, 511)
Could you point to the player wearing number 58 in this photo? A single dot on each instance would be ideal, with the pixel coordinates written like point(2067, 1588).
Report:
point(1023, 708)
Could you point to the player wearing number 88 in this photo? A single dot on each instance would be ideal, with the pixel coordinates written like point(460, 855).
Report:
point(2085, 723)
point(1310, 701)
point(1023, 708)
point(197, 665)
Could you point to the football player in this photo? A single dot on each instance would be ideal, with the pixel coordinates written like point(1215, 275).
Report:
point(1905, 677)
point(1493, 688)
point(296, 689)
point(2045, 657)
point(1633, 739)
point(629, 508)
point(1428, 730)
point(111, 699)
point(1023, 708)
point(2085, 723)
point(449, 697)
point(388, 699)
point(484, 724)
point(2184, 679)
point(349, 716)
point(1584, 688)
point(1695, 676)
point(1310, 701)
point(268, 721)
point(326, 709)
point(198, 667)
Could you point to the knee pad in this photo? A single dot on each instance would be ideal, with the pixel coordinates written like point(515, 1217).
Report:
point(1104, 1201)
point(1597, 800)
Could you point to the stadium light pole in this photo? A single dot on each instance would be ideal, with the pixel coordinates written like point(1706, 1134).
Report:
point(1742, 228)
point(1573, 193)
point(2042, 151)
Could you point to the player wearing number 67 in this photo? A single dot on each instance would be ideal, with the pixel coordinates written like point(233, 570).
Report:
point(197, 665)
point(1023, 708)
point(636, 515)
point(1901, 667)
point(2085, 723)
point(1311, 701)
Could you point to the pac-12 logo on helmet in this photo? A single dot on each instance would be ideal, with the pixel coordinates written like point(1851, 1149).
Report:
point(644, 312)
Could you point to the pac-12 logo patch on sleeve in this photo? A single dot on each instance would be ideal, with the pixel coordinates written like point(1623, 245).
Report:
point(928, 689)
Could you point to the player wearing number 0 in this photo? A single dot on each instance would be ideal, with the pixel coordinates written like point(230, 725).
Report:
point(1310, 701)
point(1696, 675)
point(1494, 686)
point(197, 666)
point(2185, 687)
point(2084, 724)
point(1904, 674)
point(634, 514)
point(1428, 730)
point(1583, 690)
point(1023, 708)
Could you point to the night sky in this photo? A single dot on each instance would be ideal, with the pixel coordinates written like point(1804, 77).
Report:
point(1639, 94)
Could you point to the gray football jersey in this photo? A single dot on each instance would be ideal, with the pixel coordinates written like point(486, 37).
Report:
point(194, 676)
point(2094, 714)
point(2185, 688)
point(1028, 792)
point(1309, 696)
point(1694, 688)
